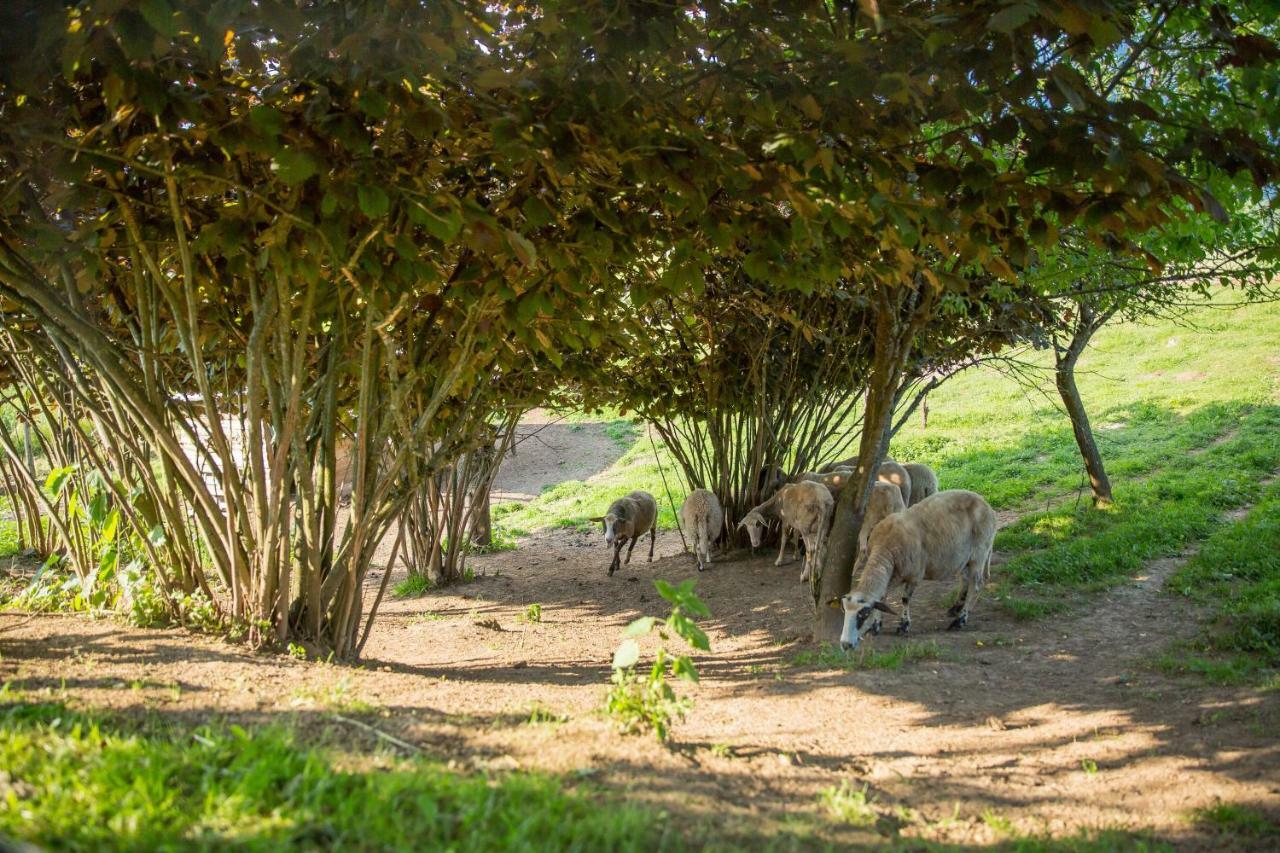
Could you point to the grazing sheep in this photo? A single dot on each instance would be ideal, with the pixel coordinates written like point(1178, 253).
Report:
point(835, 480)
point(885, 500)
point(888, 472)
point(923, 481)
point(702, 515)
point(950, 533)
point(805, 507)
point(628, 519)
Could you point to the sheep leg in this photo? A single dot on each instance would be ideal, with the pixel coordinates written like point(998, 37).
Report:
point(653, 537)
point(630, 548)
point(973, 575)
point(904, 624)
point(617, 550)
point(807, 565)
point(957, 608)
point(782, 550)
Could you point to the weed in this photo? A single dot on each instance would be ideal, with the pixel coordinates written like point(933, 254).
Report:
point(650, 703)
point(414, 585)
point(848, 804)
point(532, 613)
point(721, 750)
point(1089, 766)
point(540, 715)
point(297, 652)
point(998, 823)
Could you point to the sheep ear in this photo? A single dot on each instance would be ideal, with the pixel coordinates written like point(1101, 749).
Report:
point(596, 518)
point(884, 608)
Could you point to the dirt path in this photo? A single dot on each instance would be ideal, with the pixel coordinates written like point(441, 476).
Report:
point(1057, 726)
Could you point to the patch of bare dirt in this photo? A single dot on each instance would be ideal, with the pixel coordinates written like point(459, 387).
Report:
point(1057, 726)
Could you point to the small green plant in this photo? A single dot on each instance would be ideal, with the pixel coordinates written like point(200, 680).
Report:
point(1089, 766)
point(721, 750)
point(414, 585)
point(532, 613)
point(998, 823)
point(297, 652)
point(848, 804)
point(1236, 820)
point(540, 715)
point(830, 657)
point(649, 703)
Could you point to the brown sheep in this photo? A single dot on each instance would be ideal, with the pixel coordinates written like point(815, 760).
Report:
point(628, 519)
point(804, 506)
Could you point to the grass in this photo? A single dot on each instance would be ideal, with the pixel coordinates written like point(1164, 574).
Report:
point(1235, 579)
point(869, 657)
point(84, 782)
point(1237, 821)
point(848, 804)
point(412, 586)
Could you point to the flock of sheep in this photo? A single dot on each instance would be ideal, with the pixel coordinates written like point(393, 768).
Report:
point(910, 532)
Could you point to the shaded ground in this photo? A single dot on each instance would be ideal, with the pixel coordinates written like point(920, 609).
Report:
point(1057, 727)
point(1049, 727)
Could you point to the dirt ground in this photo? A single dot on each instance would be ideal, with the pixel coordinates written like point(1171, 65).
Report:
point(1056, 727)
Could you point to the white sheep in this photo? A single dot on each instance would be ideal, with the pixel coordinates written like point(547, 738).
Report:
point(702, 515)
point(805, 507)
point(628, 519)
point(835, 480)
point(885, 500)
point(948, 534)
point(888, 472)
point(923, 481)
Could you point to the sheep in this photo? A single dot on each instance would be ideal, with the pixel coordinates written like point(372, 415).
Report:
point(702, 516)
point(628, 519)
point(923, 481)
point(769, 480)
point(888, 472)
point(885, 500)
point(835, 480)
point(950, 533)
point(805, 507)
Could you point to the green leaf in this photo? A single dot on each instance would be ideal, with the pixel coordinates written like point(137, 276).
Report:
point(374, 203)
point(444, 224)
point(682, 667)
point(159, 14)
point(57, 480)
point(329, 204)
point(522, 248)
point(626, 655)
point(1011, 17)
point(156, 536)
point(268, 121)
point(665, 590)
point(536, 212)
point(293, 166)
point(640, 627)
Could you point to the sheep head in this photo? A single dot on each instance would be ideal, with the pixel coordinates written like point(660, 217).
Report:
point(859, 610)
point(756, 525)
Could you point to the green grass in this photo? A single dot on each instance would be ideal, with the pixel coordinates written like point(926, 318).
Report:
point(83, 782)
point(1235, 579)
point(1237, 821)
point(868, 657)
point(412, 586)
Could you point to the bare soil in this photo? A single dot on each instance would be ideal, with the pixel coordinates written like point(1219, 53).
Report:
point(1058, 727)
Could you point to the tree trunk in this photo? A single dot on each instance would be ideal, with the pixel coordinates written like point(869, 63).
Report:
point(1065, 377)
point(1065, 359)
point(892, 345)
point(482, 526)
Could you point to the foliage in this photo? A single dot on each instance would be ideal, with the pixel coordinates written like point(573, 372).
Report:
point(86, 782)
point(895, 657)
point(532, 613)
point(650, 703)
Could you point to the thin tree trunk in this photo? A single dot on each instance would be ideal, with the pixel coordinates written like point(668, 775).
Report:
point(1065, 378)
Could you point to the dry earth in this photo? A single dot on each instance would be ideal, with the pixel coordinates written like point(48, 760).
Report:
point(1056, 727)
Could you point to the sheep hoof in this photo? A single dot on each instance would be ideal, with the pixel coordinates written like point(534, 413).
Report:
point(956, 609)
point(959, 622)
point(904, 627)
point(875, 629)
